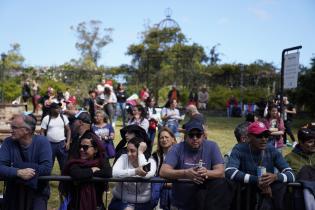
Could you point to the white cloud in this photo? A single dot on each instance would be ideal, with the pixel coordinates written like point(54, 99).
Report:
point(260, 13)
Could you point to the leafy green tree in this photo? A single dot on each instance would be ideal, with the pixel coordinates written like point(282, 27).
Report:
point(14, 58)
point(305, 92)
point(91, 39)
point(164, 57)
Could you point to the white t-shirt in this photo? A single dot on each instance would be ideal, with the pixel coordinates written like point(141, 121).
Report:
point(130, 191)
point(56, 130)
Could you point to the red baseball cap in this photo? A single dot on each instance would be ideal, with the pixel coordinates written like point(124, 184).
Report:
point(256, 128)
point(72, 99)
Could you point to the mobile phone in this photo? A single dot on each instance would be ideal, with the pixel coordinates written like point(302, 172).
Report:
point(147, 167)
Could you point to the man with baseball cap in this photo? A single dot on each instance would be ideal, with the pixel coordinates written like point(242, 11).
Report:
point(304, 152)
point(199, 160)
point(82, 123)
point(55, 126)
point(254, 161)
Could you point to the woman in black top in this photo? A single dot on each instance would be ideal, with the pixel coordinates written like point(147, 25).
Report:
point(81, 193)
point(121, 103)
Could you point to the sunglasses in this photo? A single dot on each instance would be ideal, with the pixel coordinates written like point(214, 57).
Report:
point(85, 147)
point(262, 135)
point(192, 135)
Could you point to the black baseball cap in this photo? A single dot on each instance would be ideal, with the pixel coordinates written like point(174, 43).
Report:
point(84, 116)
point(55, 105)
point(305, 134)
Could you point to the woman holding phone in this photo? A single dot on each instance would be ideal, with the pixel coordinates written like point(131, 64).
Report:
point(132, 195)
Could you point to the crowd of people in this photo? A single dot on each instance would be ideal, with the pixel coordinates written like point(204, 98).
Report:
point(83, 143)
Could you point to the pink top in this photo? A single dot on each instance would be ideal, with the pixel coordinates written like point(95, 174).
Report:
point(276, 123)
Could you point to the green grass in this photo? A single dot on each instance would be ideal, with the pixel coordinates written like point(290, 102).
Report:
point(219, 129)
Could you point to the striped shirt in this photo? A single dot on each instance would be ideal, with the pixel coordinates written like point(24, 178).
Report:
point(243, 163)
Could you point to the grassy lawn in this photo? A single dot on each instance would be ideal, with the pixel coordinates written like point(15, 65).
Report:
point(220, 130)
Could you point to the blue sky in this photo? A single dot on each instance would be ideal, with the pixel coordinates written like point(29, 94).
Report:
point(246, 29)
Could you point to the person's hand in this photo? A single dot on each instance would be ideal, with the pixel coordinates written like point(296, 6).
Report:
point(203, 172)
point(26, 173)
point(140, 171)
point(67, 146)
point(273, 129)
point(192, 174)
point(104, 136)
point(142, 147)
point(267, 179)
point(94, 169)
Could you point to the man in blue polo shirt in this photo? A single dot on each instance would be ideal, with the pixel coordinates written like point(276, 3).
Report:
point(199, 160)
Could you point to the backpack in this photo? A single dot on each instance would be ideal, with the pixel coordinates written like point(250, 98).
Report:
point(63, 120)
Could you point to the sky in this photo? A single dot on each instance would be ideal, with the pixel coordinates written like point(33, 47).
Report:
point(247, 30)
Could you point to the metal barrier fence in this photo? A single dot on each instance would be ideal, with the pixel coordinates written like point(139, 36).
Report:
point(237, 204)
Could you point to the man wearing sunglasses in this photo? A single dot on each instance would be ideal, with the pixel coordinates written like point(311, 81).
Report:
point(254, 161)
point(200, 161)
point(23, 158)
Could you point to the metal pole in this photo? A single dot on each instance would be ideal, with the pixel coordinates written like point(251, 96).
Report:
point(282, 75)
point(242, 81)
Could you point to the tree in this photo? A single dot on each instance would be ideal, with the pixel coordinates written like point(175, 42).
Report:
point(305, 92)
point(163, 58)
point(91, 39)
point(14, 59)
point(214, 55)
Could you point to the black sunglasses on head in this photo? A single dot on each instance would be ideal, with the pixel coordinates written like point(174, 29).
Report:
point(192, 135)
point(85, 147)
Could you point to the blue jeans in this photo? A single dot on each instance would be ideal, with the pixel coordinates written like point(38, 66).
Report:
point(151, 134)
point(40, 202)
point(117, 204)
point(121, 107)
point(173, 125)
point(58, 150)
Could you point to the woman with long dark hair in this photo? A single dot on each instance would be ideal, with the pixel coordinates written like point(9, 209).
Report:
point(139, 117)
point(166, 139)
point(82, 194)
point(131, 195)
point(275, 125)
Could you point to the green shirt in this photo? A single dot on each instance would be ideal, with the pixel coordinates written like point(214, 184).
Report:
point(297, 159)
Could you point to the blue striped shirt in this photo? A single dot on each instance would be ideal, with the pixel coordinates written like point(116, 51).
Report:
point(243, 163)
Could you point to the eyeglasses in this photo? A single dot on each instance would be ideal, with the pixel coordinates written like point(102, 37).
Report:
point(85, 147)
point(192, 135)
point(14, 127)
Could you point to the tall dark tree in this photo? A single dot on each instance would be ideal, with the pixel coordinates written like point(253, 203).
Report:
point(163, 58)
point(305, 92)
point(214, 56)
